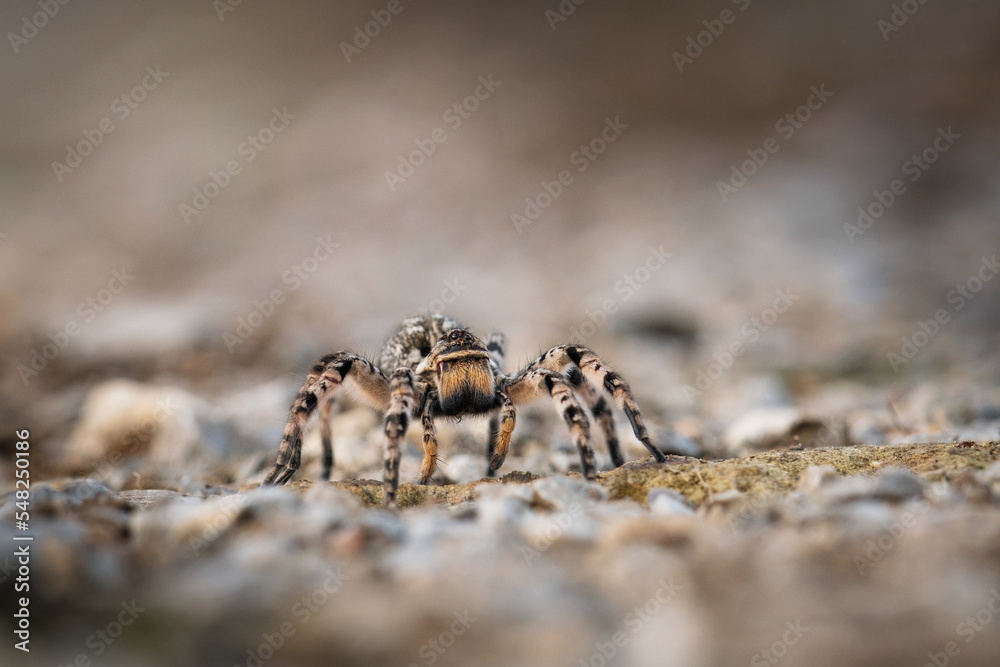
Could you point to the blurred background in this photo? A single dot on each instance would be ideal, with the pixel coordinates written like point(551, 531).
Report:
point(445, 235)
point(768, 216)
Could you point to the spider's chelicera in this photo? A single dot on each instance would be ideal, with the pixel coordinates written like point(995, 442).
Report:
point(434, 367)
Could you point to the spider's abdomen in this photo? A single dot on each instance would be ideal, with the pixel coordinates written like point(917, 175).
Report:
point(466, 387)
point(413, 340)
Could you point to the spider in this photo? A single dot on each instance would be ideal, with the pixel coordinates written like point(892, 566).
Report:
point(434, 367)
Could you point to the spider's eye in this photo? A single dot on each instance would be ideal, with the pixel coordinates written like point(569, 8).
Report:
point(454, 335)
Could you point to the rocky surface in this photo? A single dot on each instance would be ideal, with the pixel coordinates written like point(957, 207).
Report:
point(815, 557)
point(699, 481)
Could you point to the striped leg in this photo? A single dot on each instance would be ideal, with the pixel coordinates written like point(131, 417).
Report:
point(325, 377)
point(496, 345)
point(501, 428)
point(326, 434)
point(402, 401)
point(430, 439)
point(532, 384)
point(491, 444)
point(601, 375)
point(599, 408)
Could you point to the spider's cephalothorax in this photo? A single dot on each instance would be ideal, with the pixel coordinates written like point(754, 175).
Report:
point(434, 367)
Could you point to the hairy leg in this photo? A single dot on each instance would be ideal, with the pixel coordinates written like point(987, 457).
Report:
point(402, 401)
point(491, 443)
point(325, 377)
point(496, 344)
point(599, 408)
point(430, 439)
point(500, 436)
point(601, 375)
point(533, 384)
point(326, 434)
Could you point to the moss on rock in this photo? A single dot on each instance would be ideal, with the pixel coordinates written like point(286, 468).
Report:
point(762, 474)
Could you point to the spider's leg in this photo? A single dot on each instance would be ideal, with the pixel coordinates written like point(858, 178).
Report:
point(531, 384)
point(501, 428)
point(599, 408)
point(601, 375)
point(402, 400)
point(326, 434)
point(496, 344)
point(491, 443)
point(430, 439)
point(325, 377)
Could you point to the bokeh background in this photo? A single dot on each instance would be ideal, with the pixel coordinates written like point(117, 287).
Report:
point(446, 236)
point(450, 222)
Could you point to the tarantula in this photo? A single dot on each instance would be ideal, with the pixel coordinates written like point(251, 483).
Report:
point(434, 367)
